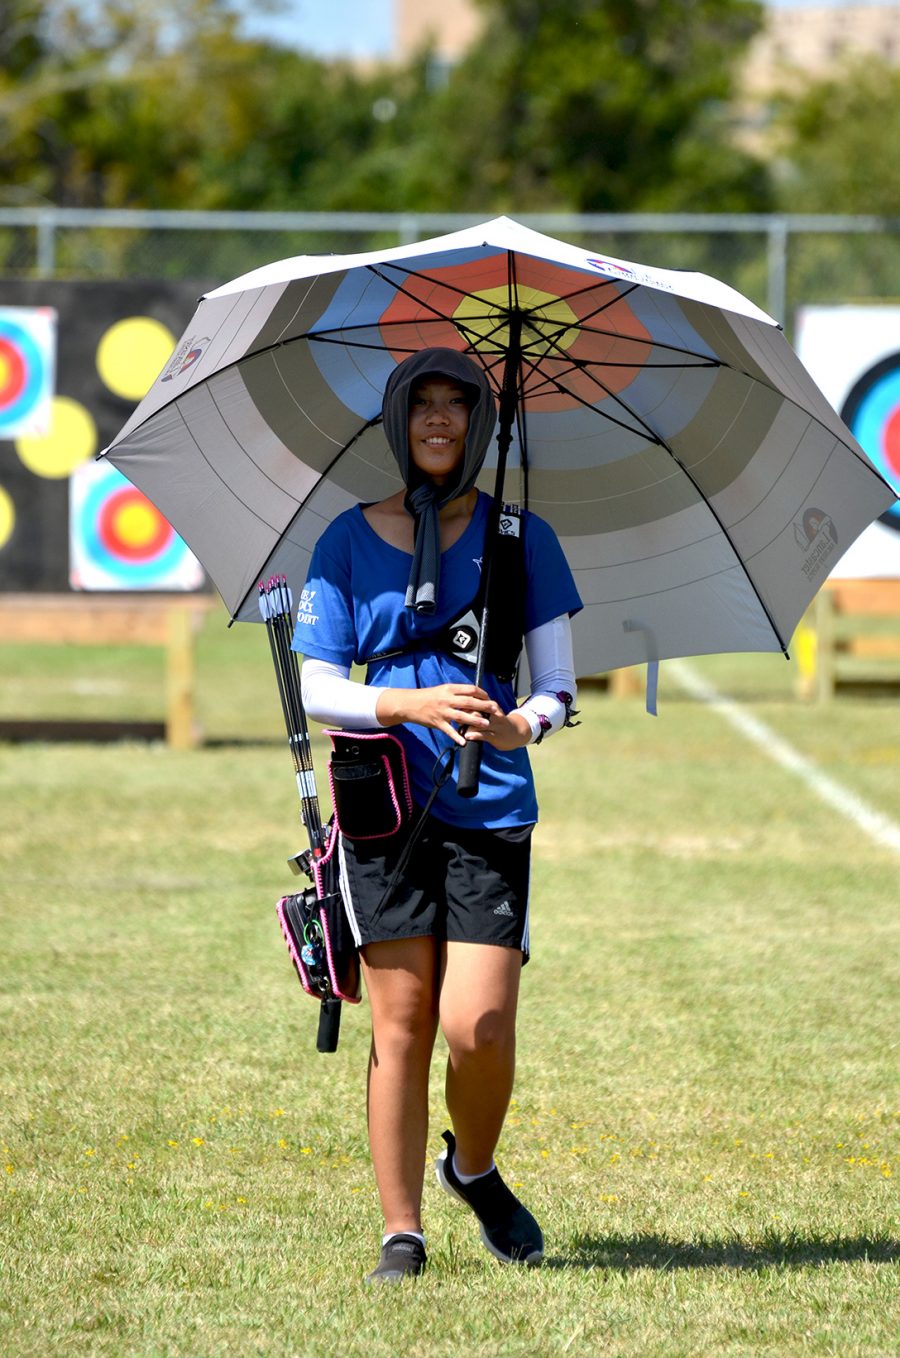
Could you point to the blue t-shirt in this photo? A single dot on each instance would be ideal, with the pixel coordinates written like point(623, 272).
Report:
point(353, 607)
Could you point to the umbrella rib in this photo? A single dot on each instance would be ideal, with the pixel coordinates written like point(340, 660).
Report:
point(662, 443)
point(301, 505)
point(323, 337)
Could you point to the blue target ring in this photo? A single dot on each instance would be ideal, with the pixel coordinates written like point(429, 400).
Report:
point(26, 362)
point(871, 412)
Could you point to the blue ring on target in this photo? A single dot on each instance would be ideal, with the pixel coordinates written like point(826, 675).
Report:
point(122, 568)
point(21, 342)
point(870, 410)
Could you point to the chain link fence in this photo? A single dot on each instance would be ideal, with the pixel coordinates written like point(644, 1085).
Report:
point(781, 262)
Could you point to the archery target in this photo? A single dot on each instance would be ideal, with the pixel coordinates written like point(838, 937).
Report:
point(27, 370)
point(853, 354)
point(119, 540)
point(872, 414)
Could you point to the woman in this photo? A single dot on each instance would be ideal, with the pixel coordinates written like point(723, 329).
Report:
point(443, 936)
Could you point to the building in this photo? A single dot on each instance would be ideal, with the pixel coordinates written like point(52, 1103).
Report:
point(795, 42)
point(808, 43)
point(450, 25)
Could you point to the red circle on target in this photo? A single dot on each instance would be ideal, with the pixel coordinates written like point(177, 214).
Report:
point(130, 527)
point(892, 441)
point(13, 382)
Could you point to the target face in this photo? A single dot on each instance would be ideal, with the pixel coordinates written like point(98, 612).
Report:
point(852, 353)
point(27, 369)
point(119, 540)
point(872, 413)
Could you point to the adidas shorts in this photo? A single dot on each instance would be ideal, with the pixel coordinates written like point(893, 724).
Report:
point(467, 886)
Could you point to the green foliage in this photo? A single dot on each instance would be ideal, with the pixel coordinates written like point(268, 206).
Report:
point(594, 107)
point(839, 140)
point(579, 105)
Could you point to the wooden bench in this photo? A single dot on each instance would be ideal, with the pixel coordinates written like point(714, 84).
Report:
point(833, 630)
point(166, 621)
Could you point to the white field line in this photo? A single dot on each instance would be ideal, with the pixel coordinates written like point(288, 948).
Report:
point(877, 826)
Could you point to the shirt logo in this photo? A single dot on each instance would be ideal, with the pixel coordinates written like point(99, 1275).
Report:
point(305, 614)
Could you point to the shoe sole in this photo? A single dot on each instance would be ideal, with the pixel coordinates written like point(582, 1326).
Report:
point(529, 1260)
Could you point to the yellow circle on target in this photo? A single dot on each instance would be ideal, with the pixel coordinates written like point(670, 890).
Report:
point(7, 517)
point(548, 323)
point(137, 523)
point(132, 354)
point(72, 440)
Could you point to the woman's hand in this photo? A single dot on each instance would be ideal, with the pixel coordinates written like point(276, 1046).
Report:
point(445, 707)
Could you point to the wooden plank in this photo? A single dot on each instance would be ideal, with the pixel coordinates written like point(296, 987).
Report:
point(168, 621)
point(869, 648)
point(869, 598)
point(180, 727)
point(24, 729)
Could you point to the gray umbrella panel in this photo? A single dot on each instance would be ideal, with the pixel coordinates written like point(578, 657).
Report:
point(700, 505)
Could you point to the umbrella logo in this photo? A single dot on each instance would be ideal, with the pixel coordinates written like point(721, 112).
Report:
point(816, 535)
point(612, 266)
point(187, 355)
point(872, 413)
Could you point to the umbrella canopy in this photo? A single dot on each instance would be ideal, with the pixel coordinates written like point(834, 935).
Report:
point(700, 484)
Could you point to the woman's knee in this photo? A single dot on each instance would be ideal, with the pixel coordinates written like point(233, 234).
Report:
point(489, 1033)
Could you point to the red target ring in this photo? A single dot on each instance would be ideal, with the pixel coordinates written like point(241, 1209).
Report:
point(891, 440)
point(12, 372)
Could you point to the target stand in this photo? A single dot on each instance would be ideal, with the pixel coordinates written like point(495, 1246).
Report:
point(836, 638)
point(116, 620)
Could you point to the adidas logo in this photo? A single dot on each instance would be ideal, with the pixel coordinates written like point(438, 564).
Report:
point(504, 908)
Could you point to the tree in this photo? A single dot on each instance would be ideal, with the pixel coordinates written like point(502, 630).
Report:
point(118, 104)
point(581, 105)
point(614, 105)
point(837, 141)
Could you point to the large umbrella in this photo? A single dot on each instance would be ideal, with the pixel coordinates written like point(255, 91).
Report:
point(700, 484)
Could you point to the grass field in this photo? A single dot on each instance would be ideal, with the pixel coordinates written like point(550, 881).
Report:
point(707, 1105)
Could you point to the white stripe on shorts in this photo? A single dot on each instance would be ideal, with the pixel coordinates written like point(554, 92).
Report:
point(345, 894)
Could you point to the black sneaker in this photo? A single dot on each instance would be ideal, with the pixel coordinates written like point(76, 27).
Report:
point(402, 1257)
point(508, 1229)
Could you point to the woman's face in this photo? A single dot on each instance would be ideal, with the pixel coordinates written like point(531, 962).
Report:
point(438, 424)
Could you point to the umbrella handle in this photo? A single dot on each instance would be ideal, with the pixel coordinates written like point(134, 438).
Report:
point(329, 1025)
point(469, 769)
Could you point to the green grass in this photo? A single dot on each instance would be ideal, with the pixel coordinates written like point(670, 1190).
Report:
point(707, 1103)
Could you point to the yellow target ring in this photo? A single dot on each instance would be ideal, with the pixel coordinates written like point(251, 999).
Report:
point(548, 326)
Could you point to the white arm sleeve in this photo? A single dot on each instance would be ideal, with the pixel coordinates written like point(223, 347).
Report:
point(549, 651)
point(332, 697)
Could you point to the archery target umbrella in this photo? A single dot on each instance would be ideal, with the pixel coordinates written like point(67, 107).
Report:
point(699, 482)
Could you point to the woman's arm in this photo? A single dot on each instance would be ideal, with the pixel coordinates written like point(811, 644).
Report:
point(331, 696)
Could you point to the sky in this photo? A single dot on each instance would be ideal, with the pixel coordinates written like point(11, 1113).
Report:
point(361, 28)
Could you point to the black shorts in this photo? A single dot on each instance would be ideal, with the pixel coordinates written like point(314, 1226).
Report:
point(467, 886)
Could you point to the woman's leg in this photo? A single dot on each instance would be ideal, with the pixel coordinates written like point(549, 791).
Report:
point(478, 1000)
point(402, 981)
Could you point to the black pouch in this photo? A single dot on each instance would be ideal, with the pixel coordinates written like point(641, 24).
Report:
point(369, 784)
